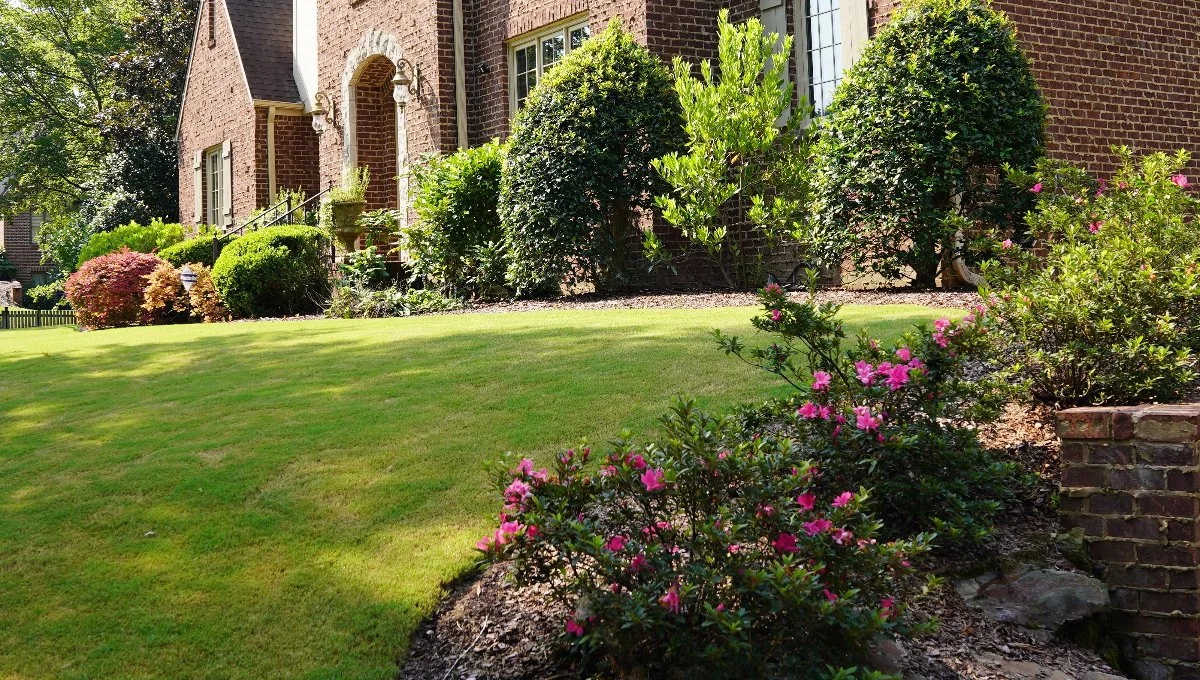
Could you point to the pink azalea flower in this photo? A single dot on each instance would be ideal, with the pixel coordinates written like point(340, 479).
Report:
point(608, 471)
point(525, 467)
point(1180, 181)
point(785, 543)
point(830, 596)
point(941, 324)
point(1036, 188)
point(615, 587)
point(638, 563)
point(940, 339)
point(808, 411)
point(1094, 227)
point(821, 381)
point(865, 371)
point(720, 606)
point(653, 480)
point(776, 315)
point(734, 548)
point(637, 461)
point(516, 492)
point(670, 600)
point(843, 499)
point(817, 526)
point(484, 544)
point(904, 354)
point(841, 536)
point(1006, 244)
point(866, 421)
point(897, 377)
point(616, 543)
point(806, 500)
point(765, 511)
point(773, 288)
point(574, 628)
point(723, 454)
point(531, 531)
point(824, 412)
point(887, 607)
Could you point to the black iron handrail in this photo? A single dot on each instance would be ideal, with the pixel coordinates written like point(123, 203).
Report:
point(278, 218)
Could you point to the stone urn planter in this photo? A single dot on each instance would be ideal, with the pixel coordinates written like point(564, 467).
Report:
point(344, 219)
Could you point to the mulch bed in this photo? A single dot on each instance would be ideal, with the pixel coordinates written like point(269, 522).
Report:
point(488, 629)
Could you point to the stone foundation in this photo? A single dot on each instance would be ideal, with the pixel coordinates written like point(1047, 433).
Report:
point(1130, 483)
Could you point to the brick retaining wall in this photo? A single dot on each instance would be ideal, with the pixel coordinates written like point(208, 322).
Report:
point(1130, 481)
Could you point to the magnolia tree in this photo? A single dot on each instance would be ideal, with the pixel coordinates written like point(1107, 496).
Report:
point(912, 148)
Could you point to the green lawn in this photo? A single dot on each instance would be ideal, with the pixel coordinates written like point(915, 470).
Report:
point(308, 485)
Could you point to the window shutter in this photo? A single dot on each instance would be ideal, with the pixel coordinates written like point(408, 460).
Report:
point(226, 184)
point(198, 187)
point(774, 20)
point(856, 30)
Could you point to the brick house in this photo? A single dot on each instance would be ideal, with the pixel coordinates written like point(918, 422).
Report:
point(18, 234)
point(385, 82)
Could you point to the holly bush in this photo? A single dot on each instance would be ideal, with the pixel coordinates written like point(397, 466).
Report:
point(456, 241)
point(578, 162)
point(917, 134)
point(894, 418)
point(1102, 306)
point(705, 551)
point(108, 291)
point(274, 271)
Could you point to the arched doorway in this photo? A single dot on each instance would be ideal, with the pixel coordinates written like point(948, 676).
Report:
point(375, 130)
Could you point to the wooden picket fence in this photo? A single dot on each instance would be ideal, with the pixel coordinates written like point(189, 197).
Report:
point(35, 318)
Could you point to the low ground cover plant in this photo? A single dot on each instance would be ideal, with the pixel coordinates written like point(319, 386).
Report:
point(705, 550)
point(108, 291)
point(1100, 302)
point(456, 242)
point(142, 238)
point(894, 418)
point(274, 271)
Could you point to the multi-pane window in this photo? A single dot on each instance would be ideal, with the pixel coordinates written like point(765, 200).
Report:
point(533, 57)
point(36, 221)
point(823, 50)
point(213, 168)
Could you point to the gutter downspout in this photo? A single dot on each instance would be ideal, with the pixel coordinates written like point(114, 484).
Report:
point(460, 76)
point(270, 154)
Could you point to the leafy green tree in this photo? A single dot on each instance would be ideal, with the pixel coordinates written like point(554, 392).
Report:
point(579, 158)
point(917, 135)
point(740, 167)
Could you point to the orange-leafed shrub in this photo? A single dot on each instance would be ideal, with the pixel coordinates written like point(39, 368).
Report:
point(108, 291)
point(204, 299)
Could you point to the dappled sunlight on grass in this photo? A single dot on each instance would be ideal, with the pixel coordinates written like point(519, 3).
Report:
point(286, 499)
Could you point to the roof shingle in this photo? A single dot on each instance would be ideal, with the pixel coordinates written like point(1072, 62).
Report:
point(263, 30)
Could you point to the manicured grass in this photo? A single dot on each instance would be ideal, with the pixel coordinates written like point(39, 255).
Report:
point(284, 499)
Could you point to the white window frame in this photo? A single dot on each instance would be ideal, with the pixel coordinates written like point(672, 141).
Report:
point(561, 29)
point(853, 24)
point(213, 185)
point(37, 220)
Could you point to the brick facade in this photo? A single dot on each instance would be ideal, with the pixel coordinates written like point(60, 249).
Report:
point(16, 240)
point(1112, 72)
point(1131, 482)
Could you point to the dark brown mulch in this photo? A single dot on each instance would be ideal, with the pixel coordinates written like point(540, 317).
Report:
point(488, 629)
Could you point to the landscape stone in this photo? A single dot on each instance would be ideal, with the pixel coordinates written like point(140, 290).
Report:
point(1036, 598)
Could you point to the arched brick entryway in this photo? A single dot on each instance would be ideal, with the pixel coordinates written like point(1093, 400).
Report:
point(375, 130)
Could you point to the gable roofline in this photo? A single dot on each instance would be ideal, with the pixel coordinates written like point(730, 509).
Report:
point(192, 55)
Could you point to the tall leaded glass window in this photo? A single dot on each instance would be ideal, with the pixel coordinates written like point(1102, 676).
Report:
point(823, 49)
point(532, 58)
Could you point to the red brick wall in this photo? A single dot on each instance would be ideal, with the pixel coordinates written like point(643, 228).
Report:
point(1130, 481)
point(217, 107)
point(1113, 73)
point(375, 113)
point(18, 244)
point(296, 154)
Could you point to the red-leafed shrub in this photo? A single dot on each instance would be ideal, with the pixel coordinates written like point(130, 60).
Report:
point(108, 291)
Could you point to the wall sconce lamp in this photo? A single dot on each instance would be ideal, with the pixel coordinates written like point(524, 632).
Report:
point(324, 115)
point(407, 81)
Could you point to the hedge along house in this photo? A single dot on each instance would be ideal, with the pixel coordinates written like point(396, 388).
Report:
point(288, 94)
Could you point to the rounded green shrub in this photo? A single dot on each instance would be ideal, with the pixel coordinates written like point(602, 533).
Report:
point(199, 249)
point(456, 241)
point(8, 270)
point(579, 160)
point(140, 238)
point(273, 272)
point(916, 137)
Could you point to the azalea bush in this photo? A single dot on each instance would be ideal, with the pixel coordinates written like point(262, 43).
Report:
point(894, 418)
point(1100, 303)
point(705, 550)
point(108, 291)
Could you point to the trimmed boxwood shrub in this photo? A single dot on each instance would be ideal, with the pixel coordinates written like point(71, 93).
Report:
point(274, 272)
point(108, 291)
point(141, 238)
point(197, 249)
point(941, 99)
point(579, 160)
